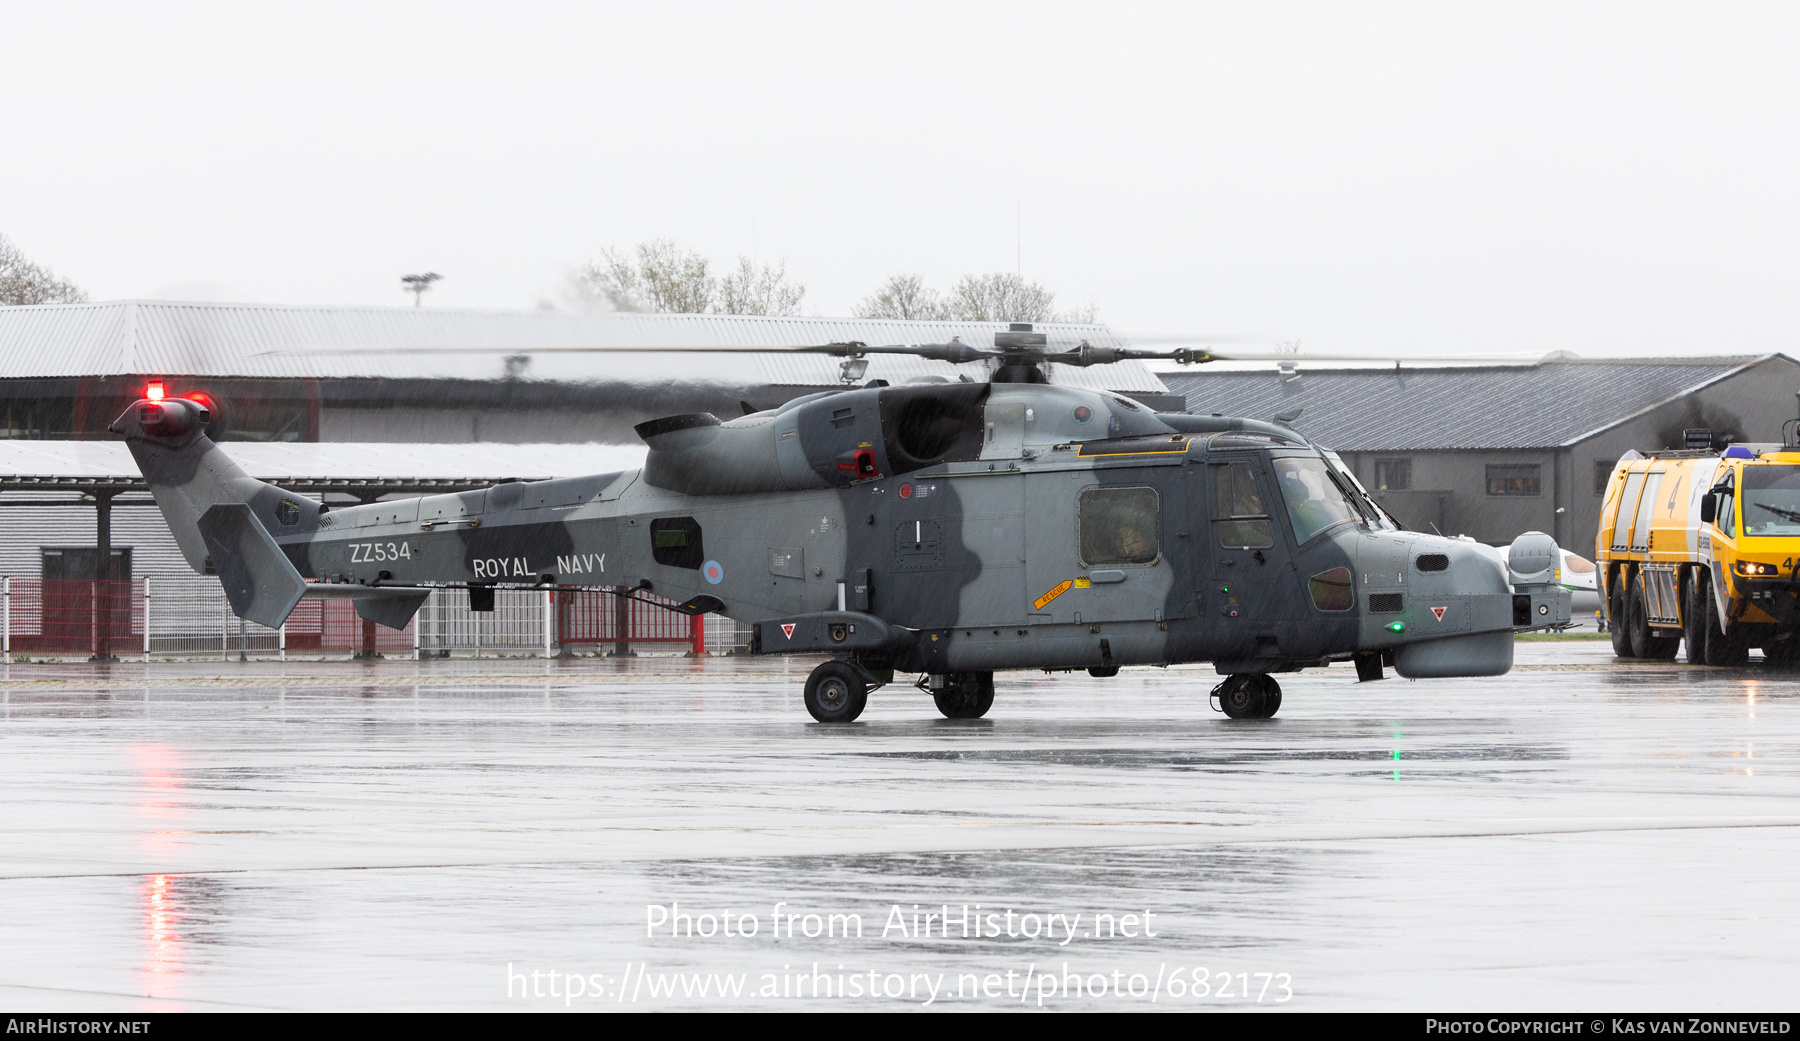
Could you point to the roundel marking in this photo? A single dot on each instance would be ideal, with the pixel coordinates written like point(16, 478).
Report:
point(714, 572)
point(1083, 413)
point(906, 491)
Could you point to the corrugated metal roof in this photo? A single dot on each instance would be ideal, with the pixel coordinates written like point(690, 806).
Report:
point(278, 461)
point(155, 337)
point(1410, 409)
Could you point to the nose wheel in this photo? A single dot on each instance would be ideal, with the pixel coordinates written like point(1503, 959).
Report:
point(836, 693)
point(1248, 695)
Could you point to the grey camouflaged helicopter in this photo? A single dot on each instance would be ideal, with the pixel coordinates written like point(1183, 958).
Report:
point(945, 530)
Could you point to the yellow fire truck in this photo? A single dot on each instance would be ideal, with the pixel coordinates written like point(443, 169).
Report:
point(1703, 547)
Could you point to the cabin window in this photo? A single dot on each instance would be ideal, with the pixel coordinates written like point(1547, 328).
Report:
point(1520, 479)
point(1120, 526)
point(675, 541)
point(1243, 522)
point(1393, 475)
point(1726, 517)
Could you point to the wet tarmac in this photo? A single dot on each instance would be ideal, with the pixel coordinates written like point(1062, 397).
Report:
point(1582, 834)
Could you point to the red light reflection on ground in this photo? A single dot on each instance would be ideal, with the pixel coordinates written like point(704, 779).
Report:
point(160, 805)
point(164, 957)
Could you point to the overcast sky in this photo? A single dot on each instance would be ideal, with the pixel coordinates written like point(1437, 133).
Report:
point(1433, 177)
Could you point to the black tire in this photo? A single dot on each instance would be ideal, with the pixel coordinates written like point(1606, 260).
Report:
point(1368, 666)
point(1722, 649)
point(1104, 672)
point(1637, 624)
point(1785, 653)
point(1242, 695)
point(1693, 617)
point(1271, 697)
point(969, 695)
point(836, 693)
point(1621, 632)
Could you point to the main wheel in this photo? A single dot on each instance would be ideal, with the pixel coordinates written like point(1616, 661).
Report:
point(1693, 618)
point(1722, 648)
point(1246, 695)
point(835, 693)
point(1104, 672)
point(969, 695)
point(1616, 620)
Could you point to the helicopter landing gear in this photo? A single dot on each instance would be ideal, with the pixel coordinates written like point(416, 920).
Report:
point(967, 695)
point(1249, 695)
point(836, 693)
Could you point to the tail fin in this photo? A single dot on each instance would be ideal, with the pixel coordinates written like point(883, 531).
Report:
point(217, 512)
point(189, 475)
point(259, 580)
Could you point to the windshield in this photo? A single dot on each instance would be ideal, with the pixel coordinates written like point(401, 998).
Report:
point(1314, 500)
point(1379, 517)
point(1771, 495)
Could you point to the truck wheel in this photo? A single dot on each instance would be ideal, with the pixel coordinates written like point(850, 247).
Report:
point(1693, 619)
point(1784, 652)
point(1621, 632)
point(1724, 649)
point(836, 693)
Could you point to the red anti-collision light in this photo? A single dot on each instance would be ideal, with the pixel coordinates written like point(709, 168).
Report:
point(154, 390)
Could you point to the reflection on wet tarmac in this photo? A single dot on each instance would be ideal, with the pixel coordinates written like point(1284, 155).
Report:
point(395, 835)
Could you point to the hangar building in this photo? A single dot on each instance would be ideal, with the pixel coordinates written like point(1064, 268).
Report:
point(1493, 451)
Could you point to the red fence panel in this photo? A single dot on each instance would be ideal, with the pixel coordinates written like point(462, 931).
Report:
point(334, 625)
point(72, 615)
point(596, 616)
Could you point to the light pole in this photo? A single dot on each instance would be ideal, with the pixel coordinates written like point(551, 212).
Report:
point(417, 284)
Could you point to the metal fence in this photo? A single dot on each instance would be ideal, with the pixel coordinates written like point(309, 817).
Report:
point(189, 617)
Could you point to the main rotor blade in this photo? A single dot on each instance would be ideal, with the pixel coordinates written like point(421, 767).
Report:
point(955, 352)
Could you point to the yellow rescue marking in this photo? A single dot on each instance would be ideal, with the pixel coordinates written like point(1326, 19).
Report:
point(1053, 594)
point(1082, 583)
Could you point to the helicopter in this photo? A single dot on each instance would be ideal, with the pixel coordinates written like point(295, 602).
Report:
point(941, 530)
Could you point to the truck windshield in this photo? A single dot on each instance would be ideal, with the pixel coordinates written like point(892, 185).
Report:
point(1771, 495)
point(1314, 500)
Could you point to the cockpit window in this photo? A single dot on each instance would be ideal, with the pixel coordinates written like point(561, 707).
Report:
point(1314, 500)
point(1242, 521)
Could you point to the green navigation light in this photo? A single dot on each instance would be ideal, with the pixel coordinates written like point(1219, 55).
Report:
point(1396, 627)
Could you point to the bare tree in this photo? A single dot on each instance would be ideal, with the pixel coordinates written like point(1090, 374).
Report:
point(661, 276)
point(765, 290)
point(656, 276)
point(1001, 297)
point(903, 296)
point(22, 282)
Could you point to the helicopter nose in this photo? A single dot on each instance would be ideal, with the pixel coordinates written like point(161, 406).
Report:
point(1449, 607)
